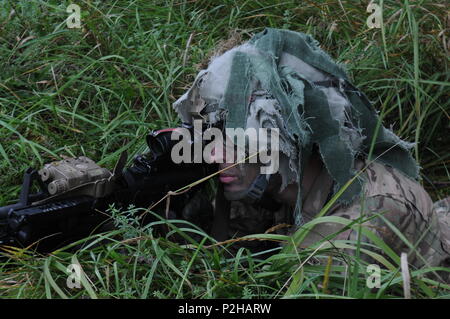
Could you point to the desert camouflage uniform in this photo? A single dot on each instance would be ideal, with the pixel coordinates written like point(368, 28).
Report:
point(387, 192)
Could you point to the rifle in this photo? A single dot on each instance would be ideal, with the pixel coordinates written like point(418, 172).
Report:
point(74, 193)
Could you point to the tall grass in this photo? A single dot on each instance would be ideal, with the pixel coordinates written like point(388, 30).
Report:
point(134, 264)
point(87, 91)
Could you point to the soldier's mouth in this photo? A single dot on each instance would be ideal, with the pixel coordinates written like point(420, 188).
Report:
point(227, 179)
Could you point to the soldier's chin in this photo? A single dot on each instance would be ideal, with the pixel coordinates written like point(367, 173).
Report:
point(234, 192)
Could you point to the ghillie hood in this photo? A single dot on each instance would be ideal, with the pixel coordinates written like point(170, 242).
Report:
point(281, 78)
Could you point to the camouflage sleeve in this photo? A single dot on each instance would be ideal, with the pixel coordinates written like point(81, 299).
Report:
point(388, 216)
point(442, 209)
point(393, 204)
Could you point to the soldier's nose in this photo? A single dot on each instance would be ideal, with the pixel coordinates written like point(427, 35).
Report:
point(216, 155)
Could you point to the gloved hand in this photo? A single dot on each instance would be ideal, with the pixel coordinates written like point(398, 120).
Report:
point(199, 211)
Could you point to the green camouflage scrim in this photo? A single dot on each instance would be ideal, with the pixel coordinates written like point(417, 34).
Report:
point(318, 106)
point(283, 79)
point(396, 203)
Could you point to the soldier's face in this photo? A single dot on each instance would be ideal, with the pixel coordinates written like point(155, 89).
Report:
point(234, 178)
point(238, 178)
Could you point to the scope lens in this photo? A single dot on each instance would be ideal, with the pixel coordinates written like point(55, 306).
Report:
point(160, 143)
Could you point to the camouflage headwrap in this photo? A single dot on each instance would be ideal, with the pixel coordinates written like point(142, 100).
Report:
point(282, 79)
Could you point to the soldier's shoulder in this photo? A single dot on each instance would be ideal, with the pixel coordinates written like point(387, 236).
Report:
point(382, 180)
point(443, 206)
